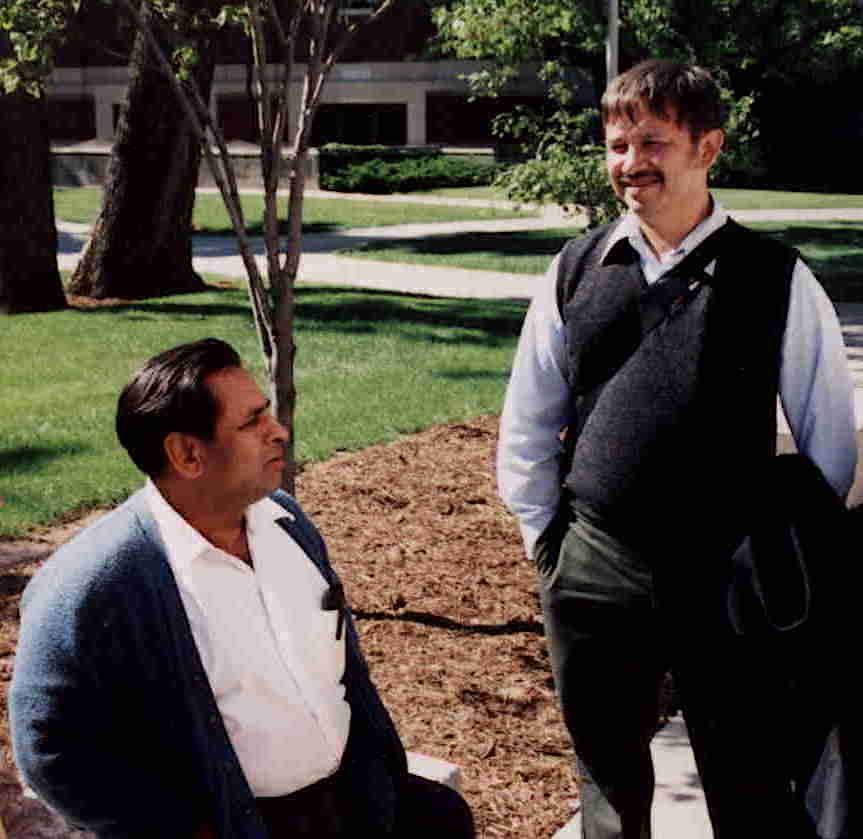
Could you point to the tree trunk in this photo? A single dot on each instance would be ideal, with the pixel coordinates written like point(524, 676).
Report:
point(141, 244)
point(29, 280)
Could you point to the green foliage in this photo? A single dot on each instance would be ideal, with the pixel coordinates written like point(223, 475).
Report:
point(572, 177)
point(750, 46)
point(513, 31)
point(33, 31)
point(752, 42)
point(379, 175)
point(741, 162)
point(563, 167)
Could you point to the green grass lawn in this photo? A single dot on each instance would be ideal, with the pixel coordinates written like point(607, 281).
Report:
point(475, 193)
point(369, 366)
point(522, 252)
point(766, 199)
point(733, 199)
point(834, 250)
point(321, 215)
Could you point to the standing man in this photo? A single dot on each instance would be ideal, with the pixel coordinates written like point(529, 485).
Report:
point(187, 666)
point(639, 422)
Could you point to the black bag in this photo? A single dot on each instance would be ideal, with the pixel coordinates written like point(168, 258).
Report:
point(788, 575)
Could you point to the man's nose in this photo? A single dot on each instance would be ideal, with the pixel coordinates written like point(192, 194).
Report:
point(632, 159)
point(278, 432)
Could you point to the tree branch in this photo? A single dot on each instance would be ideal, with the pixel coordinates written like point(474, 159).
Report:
point(199, 116)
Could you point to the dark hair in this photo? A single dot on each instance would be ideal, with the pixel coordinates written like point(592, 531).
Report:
point(169, 394)
point(661, 86)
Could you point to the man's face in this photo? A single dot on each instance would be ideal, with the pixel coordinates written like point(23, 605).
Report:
point(655, 167)
point(244, 460)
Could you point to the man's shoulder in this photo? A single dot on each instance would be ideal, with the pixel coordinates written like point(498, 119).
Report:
point(286, 501)
point(298, 523)
point(574, 258)
point(747, 254)
point(103, 554)
point(586, 241)
point(757, 244)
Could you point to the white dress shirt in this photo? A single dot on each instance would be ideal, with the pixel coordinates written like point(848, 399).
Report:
point(816, 389)
point(269, 649)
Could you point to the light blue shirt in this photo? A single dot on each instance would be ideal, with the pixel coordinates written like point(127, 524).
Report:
point(815, 388)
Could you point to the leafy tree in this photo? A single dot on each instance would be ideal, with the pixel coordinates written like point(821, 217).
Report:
point(764, 52)
point(29, 279)
point(274, 29)
point(794, 64)
point(141, 244)
point(555, 38)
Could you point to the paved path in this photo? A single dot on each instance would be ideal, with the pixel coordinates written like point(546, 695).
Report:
point(320, 266)
point(679, 811)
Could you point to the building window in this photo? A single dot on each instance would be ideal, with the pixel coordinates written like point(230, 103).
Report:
point(238, 118)
point(71, 119)
point(361, 124)
point(453, 119)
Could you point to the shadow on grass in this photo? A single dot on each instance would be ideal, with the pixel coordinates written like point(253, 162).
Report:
point(508, 243)
point(467, 375)
point(179, 306)
point(835, 254)
point(258, 229)
point(365, 311)
point(350, 311)
point(31, 458)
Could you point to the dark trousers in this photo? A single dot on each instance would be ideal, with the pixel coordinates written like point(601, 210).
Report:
point(425, 810)
point(610, 645)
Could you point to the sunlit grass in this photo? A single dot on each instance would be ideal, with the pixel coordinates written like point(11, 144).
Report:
point(768, 199)
point(370, 366)
point(82, 204)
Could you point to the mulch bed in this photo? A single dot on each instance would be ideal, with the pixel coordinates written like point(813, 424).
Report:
point(446, 604)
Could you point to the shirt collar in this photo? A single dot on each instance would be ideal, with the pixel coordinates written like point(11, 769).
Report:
point(185, 544)
point(629, 229)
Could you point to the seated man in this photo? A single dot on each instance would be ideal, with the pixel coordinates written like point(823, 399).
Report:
point(186, 666)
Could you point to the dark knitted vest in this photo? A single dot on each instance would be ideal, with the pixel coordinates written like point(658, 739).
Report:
point(673, 402)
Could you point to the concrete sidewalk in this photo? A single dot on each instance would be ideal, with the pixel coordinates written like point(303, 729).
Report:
point(679, 810)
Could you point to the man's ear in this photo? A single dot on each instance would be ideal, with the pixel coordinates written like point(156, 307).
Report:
point(185, 454)
point(709, 147)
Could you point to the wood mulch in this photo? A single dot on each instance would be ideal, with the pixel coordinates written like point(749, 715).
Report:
point(447, 607)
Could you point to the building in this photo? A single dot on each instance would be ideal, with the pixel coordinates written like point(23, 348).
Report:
point(389, 88)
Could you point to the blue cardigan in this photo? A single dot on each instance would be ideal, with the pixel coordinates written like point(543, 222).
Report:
point(114, 724)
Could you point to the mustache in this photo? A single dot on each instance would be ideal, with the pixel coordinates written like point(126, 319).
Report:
point(639, 177)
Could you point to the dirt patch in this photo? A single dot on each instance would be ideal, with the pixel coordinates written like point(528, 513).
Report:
point(447, 608)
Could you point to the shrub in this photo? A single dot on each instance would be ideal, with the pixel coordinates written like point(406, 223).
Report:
point(384, 170)
point(573, 178)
